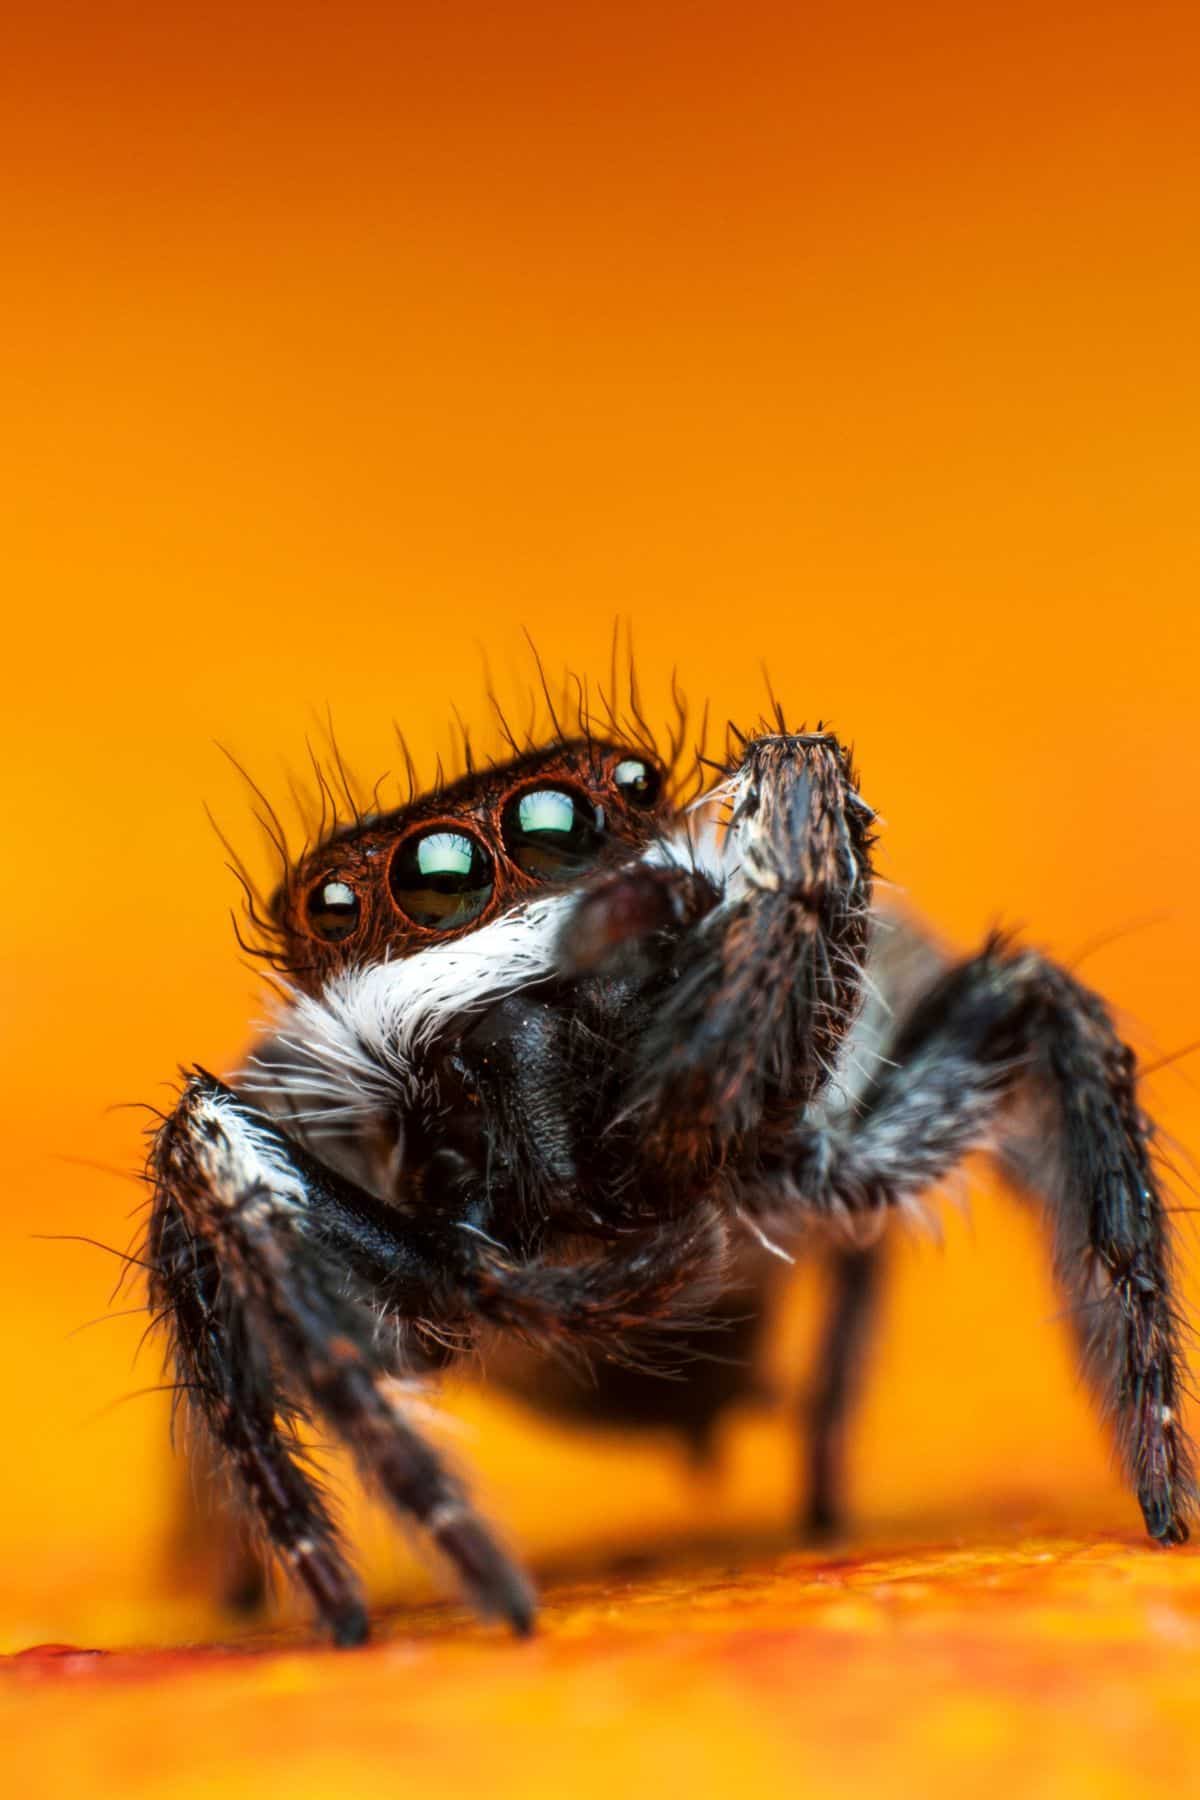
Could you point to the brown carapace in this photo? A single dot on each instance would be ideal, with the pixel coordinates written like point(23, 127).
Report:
point(387, 884)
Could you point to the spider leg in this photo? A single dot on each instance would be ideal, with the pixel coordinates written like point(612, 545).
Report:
point(232, 1392)
point(856, 1279)
point(260, 1217)
point(1000, 1027)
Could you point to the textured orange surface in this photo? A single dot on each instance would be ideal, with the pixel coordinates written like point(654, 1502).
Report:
point(341, 343)
point(1046, 1666)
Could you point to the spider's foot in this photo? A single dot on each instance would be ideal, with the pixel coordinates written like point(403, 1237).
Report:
point(1165, 1505)
point(822, 1522)
point(1163, 1523)
point(496, 1586)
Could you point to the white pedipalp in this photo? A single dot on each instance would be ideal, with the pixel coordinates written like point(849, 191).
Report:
point(241, 1165)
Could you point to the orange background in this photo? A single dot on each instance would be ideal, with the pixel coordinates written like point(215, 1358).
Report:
point(342, 343)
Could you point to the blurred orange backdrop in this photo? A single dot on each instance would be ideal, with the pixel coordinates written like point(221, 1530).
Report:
point(343, 343)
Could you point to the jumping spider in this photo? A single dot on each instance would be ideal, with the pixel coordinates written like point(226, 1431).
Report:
point(561, 1057)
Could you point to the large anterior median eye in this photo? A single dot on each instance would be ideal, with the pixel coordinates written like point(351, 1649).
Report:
point(552, 833)
point(441, 878)
point(333, 909)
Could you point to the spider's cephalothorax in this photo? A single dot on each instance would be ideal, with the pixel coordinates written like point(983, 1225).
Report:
point(559, 1059)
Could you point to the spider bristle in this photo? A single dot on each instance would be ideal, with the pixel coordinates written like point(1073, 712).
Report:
point(268, 818)
point(465, 741)
point(234, 862)
point(559, 734)
point(339, 765)
point(328, 822)
point(413, 785)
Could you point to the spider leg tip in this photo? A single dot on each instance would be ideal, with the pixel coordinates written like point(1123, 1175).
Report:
point(351, 1629)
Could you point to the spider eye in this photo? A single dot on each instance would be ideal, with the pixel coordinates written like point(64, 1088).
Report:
point(552, 833)
point(637, 782)
point(333, 909)
point(441, 878)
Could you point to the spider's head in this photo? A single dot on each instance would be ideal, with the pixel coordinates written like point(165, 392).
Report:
point(457, 857)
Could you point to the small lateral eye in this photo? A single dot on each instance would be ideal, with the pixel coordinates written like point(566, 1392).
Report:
point(441, 878)
point(333, 909)
point(552, 833)
point(637, 782)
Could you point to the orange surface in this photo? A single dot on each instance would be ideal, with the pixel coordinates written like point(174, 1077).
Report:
point(339, 345)
point(1039, 1665)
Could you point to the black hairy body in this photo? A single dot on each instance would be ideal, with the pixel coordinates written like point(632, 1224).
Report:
point(561, 1061)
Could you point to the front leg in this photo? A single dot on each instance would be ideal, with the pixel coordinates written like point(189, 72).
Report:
point(253, 1246)
point(232, 1397)
point(996, 1040)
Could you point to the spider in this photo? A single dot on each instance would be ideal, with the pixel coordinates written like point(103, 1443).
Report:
point(562, 1058)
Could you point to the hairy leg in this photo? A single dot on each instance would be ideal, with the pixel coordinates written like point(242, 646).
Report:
point(232, 1396)
point(265, 1326)
point(999, 1027)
